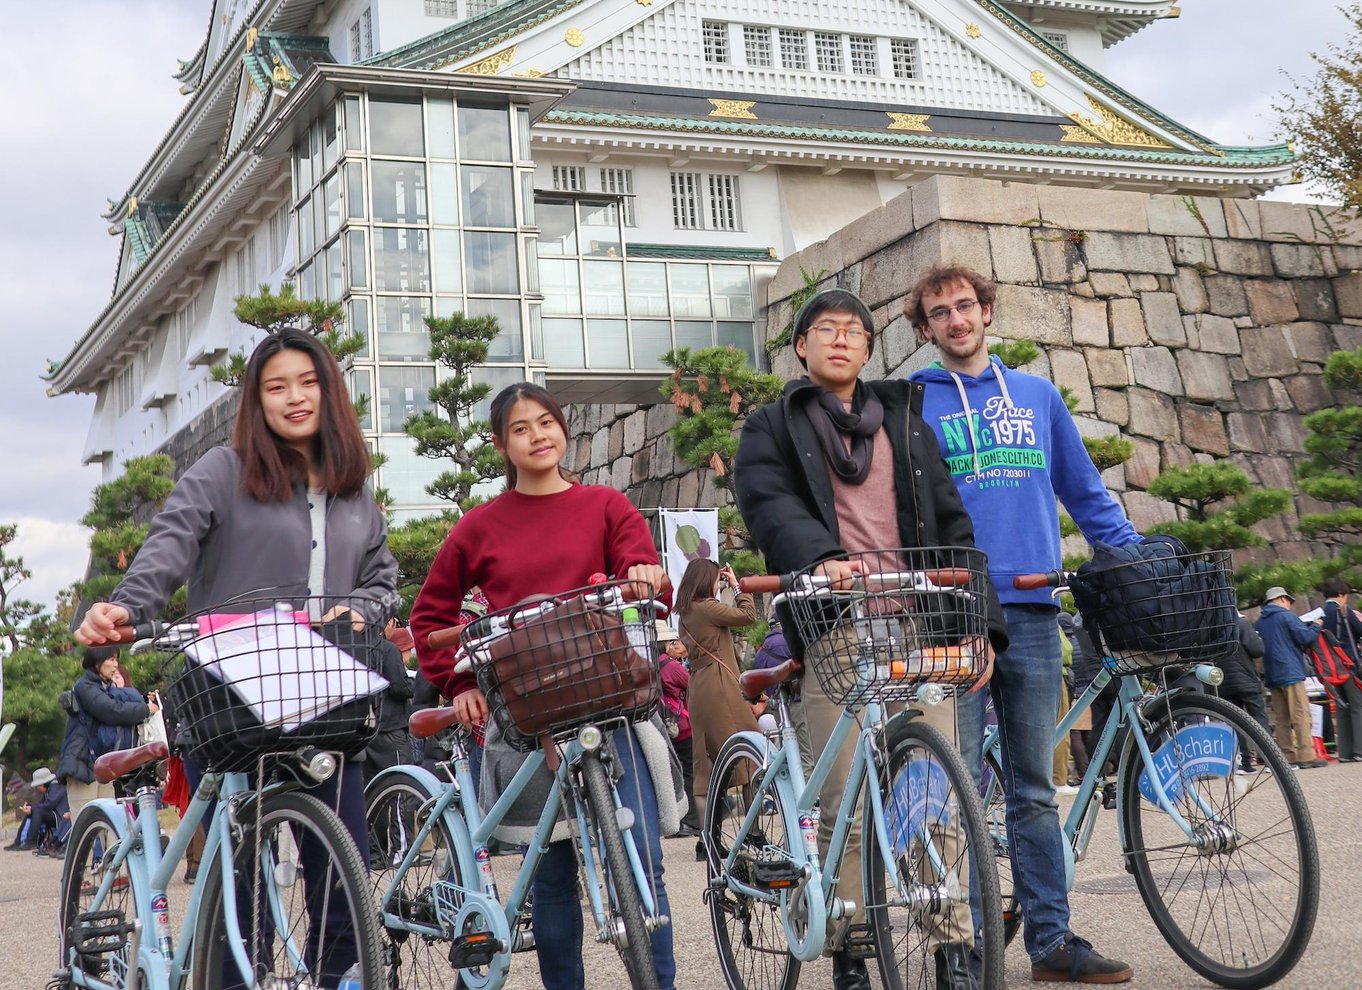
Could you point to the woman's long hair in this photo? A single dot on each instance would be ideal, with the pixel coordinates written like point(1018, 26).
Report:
point(270, 467)
point(697, 582)
point(501, 413)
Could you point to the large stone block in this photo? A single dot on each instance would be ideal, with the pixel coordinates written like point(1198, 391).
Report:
point(1191, 291)
point(1162, 318)
point(878, 229)
point(1152, 414)
point(897, 341)
point(1203, 428)
point(1302, 260)
point(1281, 398)
point(1155, 368)
point(1287, 431)
point(1248, 432)
point(949, 197)
point(1144, 464)
point(1266, 352)
point(1068, 368)
point(1226, 295)
point(621, 473)
point(1243, 258)
point(1089, 320)
point(635, 431)
point(1348, 293)
point(1126, 252)
point(1127, 323)
point(1347, 337)
point(1308, 393)
point(1348, 257)
point(1147, 283)
point(1112, 406)
point(1205, 377)
point(1315, 298)
point(1074, 208)
point(1194, 251)
point(1027, 313)
point(891, 272)
point(964, 244)
point(1216, 334)
point(1110, 284)
point(1176, 455)
point(661, 417)
point(616, 440)
point(1013, 260)
point(1254, 395)
point(1271, 301)
point(1296, 223)
point(1198, 216)
point(600, 447)
point(1310, 341)
point(1242, 219)
point(1060, 260)
point(1107, 367)
point(1145, 511)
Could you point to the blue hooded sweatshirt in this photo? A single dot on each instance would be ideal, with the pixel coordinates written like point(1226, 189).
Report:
point(1012, 448)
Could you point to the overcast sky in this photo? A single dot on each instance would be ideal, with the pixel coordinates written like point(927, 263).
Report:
point(89, 94)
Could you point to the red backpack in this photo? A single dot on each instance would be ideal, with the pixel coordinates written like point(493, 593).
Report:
point(1330, 661)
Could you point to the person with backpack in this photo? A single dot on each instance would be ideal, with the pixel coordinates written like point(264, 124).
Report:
point(1344, 625)
point(1284, 671)
point(676, 713)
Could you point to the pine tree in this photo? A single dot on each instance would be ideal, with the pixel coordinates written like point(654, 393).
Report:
point(120, 515)
point(1333, 471)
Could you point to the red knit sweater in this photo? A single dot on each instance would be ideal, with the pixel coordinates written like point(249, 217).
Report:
point(519, 545)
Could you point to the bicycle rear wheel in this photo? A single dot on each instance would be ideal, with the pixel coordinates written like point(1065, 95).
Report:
point(1237, 901)
point(995, 820)
point(415, 952)
point(936, 827)
point(302, 896)
point(753, 951)
point(634, 943)
point(89, 849)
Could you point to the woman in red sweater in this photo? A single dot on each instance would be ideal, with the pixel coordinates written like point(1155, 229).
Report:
point(545, 534)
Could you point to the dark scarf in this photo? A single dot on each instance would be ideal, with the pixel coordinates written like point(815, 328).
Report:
point(832, 422)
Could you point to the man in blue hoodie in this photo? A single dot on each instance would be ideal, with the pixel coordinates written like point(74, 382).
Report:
point(1284, 673)
point(1012, 449)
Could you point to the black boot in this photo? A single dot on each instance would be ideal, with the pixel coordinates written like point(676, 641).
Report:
point(849, 973)
point(953, 968)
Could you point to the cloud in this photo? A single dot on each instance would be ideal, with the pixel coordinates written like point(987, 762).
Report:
point(55, 552)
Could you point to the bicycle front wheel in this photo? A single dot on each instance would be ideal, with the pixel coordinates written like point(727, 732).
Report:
point(918, 906)
point(303, 901)
point(995, 820)
point(633, 943)
point(1236, 900)
point(749, 933)
point(89, 851)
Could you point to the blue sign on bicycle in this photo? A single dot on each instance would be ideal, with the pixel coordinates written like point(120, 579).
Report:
point(1197, 752)
point(919, 797)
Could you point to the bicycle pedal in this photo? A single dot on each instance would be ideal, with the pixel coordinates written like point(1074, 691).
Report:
point(776, 874)
point(98, 932)
point(473, 950)
point(859, 943)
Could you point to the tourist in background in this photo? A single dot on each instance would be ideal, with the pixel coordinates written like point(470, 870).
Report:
point(1343, 623)
point(1284, 672)
point(676, 696)
point(1243, 685)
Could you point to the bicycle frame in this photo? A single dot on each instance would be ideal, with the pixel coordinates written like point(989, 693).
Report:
point(469, 831)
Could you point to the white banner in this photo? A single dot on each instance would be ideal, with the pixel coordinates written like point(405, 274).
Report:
point(688, 534)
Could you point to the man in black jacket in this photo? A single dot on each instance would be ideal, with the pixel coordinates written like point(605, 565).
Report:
point(829, 423)
point(1243, 685)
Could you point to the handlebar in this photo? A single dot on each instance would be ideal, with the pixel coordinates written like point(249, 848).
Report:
point(1033, 582)
point(943, 577)
point(133, 633)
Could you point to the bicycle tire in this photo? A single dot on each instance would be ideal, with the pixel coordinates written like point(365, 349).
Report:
point(995, 820)
point(754, 955)
point(93, 836)
point(1148, 830)
point(636, 952)
point(411, 960)
point(908, 963)
point(213, 963)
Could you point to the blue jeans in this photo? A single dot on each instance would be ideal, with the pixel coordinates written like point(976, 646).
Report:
point(1025, 688)
point(557, 910)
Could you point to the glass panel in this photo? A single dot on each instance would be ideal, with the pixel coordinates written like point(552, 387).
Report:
point(359, 260)
point(395, 128)
point(509, 344)
point(406, 475)
point(739, 335)
point(694, 334)
point(444, 194)
point(304, 229)
point(491, 262)
point(316, 144)
point(527, 198)
point(354, 129)
point(498, 378)
point(302, 163)
point(536, 333)
point(318, 219)
point(306, 288)
point(652, 339)
point(446, 306)
point(522, 126)
point(399, 192)
point(362, 387)
point(559, 282)
point(330, 138)
point(331, 192)
point(401, 259)
point(732, 292)
point(563, 346)
point(488, 196)
point(359, 323)
point(354, 190)
point(484, 134)
point(600, 228)
point(690, 290)
point(603, 287)
point(448, 278)
point(440, 113)
point(531, 264)
point(648, 289)
point(557, 227)
point(608, 342)
point(335, 278)
point(402, 333)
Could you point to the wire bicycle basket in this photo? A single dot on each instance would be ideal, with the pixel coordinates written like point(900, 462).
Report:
point(551, 665)
point(912, 615)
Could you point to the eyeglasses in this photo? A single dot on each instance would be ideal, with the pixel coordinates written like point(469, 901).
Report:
point(942, 314)
point(856, 337)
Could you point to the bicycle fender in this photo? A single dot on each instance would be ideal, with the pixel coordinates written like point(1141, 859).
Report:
point(428, 780)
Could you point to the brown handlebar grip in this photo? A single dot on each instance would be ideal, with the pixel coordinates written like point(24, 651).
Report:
point(949, 577)
point(442, 639)
point(125, 634)
point(627, 592)
point(1032, 582)
point(760, 584)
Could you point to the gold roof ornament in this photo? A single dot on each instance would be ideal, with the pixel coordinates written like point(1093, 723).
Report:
point(251, 35)
point(492, 64)
point(282, 77)
point(1038, 78)
point(972, 30)
point(1109, 128)
point(733, 109)
point(132, 206)
point(908, 121)
point(575, 37)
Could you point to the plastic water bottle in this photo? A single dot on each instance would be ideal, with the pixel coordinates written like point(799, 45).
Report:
point(633, 628)
point(351, 980)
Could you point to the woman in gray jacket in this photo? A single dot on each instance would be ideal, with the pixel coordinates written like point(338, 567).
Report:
point(285, 508)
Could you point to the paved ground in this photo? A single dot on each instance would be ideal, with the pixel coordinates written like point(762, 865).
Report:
point(1106, 908)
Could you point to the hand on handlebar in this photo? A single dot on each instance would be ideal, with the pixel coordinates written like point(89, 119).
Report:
point(652, 574)
point(840, 573)
point(101, 622)
point(470, 707)
point(336, 612)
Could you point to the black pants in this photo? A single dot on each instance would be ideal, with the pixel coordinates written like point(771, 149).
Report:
point(1255, 704)
point(685, 752)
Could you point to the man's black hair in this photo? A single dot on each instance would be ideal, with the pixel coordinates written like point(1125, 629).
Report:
point(833, 301)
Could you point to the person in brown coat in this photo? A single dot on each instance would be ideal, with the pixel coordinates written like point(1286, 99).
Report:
point(717, 707)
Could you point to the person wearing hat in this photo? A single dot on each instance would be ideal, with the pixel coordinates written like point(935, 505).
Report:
point(675, 695)
point(101, 716)
point(43, 824)
point(1284, 672)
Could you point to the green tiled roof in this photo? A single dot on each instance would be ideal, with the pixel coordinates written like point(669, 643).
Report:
point(139, 238)
point(699, 252)
point(473, 35)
